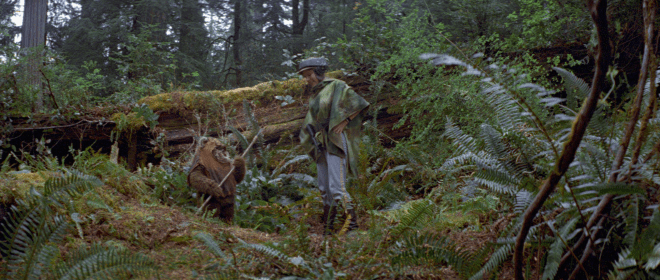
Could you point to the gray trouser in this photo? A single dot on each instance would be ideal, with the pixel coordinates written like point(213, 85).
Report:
point(332, 171)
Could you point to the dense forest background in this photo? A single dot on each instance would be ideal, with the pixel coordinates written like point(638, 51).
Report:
point(506, 139)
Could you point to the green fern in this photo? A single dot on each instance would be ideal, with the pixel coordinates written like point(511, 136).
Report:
point(415, 249)
point(274, 253)
point(557, 249)
point(410, 215)
point(212, 245)
point(630, 218)
point(97, 262)
point(33, 230)
point(496, 259)
point(576, 88)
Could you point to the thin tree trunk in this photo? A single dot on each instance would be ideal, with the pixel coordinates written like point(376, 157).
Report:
point(298, 26)
point(630, 129)
point(33, 40)
point(598, 10)
point(237, 42)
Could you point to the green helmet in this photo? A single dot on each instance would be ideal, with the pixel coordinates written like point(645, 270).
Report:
point(311, 63)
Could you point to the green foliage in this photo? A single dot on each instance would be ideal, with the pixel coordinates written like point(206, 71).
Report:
point(378, 184)
point(34, 228)
point(511, 156)
point(144, 68)
point(100, 262)
point(169, 183)
point(416, 249)
point(557, 249)
point(542, 24)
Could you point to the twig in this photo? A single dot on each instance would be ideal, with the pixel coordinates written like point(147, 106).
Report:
point(230, 172)
point(58, 126)
point(50, 90)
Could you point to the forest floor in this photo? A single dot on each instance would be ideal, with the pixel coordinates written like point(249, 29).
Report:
point(166, 234)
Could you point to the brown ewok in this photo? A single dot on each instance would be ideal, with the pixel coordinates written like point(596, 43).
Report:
point(210, 165)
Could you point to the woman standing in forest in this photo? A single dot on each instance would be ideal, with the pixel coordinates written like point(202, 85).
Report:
point(331, 134)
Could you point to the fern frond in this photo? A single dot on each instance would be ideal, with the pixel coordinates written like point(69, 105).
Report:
point(239, 136)
point(417, 248)
point(631, 220)
point(576, 88)
point(508, 111)
point(19, 232)
point(97, 262)
point(408, 217)
point(619, 188)
point(464, 143)
point(641, 248)
point(210, 242)
point(557, 249)
point(59, 190)
point(300, 177)
point(496, 259)
point(523, 200)
point(384, 177)
point(269, 251)
point(469, 158)
point(274, 253)
point(296, 159)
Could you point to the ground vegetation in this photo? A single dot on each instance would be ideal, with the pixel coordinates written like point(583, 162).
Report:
point(505, 140)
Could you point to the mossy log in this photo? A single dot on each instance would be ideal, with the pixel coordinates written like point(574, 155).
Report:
point(185, 115)
point(182, 116)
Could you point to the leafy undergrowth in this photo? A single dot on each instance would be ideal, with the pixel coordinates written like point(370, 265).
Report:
point(131, 217)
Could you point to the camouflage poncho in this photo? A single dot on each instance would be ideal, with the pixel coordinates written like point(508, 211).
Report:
point(334, 102)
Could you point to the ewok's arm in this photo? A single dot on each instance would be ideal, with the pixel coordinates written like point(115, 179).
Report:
point(239, 169)
point(202, 183)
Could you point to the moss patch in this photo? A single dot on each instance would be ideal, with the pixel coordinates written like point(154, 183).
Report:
point(264, 93)
point(16, 185)
point(130, 122)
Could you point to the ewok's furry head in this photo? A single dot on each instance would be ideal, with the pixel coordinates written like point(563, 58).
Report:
point(213, 155)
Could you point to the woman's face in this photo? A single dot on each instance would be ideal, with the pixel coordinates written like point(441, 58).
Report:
point(310, 77)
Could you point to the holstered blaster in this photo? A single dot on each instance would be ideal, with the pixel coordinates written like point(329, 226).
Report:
point(312, 133)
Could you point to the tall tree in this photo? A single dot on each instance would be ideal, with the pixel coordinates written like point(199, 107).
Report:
point(32, 42)
point(299, 23)
point(193, 41)
point(7, 9)
point(236, 39)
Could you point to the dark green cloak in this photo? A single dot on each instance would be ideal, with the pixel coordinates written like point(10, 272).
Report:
point(334, 102)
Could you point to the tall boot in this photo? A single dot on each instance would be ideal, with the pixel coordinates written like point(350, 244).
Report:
point(353, 224)
point(329, 223)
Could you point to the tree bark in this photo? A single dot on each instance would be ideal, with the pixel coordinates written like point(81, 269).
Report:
point(298, 26)
point(33, 39)
point(237, 43)
point(598, 10)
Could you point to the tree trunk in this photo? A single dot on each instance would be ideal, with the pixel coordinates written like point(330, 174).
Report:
point(32, 43)
point(237, 42)
point(298, 25)
point(193, 45)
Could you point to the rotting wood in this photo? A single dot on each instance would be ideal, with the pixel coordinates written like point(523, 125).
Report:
point(180, 125)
